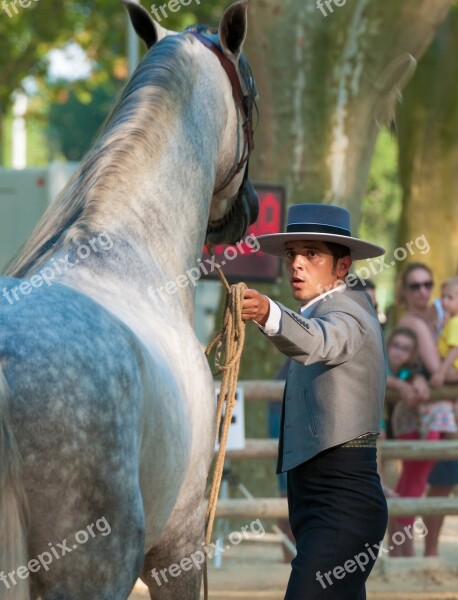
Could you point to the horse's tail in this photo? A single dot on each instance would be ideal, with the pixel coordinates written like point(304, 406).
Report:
point(13, 536)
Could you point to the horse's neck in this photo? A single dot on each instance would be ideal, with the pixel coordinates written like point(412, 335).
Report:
point(159, 203)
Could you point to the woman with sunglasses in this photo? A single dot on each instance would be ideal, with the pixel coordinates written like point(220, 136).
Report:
point(426, 320)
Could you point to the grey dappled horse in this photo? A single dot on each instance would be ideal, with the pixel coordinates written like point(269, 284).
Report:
point(106, 398)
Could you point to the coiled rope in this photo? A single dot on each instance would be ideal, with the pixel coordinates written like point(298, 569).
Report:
point(229, 346)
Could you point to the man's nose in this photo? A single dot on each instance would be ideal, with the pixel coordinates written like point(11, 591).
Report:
point(298, 262)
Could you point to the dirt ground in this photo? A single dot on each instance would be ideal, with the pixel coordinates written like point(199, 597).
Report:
point(255, 570)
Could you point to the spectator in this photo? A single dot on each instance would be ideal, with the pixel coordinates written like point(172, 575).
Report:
point(412, 387)
point(448, 339)
point(426, 320)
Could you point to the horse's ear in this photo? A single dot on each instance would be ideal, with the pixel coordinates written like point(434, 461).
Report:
point(232, 29)
point(146, 28)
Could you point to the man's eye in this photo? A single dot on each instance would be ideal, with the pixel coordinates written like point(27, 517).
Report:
point(289, 254)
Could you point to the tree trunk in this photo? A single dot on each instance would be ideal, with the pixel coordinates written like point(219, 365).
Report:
point(428, 152)
point(324, 81)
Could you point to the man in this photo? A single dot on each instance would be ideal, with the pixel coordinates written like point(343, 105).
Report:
point(332, 404)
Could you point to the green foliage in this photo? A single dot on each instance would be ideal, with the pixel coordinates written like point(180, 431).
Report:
point(381, 209)
point(98, 27)
point(28, 34)
point(73, 124)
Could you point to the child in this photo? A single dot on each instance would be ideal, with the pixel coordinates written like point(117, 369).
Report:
point(404, 378)
point(448, 340)
point(411, 423)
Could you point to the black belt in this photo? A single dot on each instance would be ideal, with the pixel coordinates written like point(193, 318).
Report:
point(369, 440)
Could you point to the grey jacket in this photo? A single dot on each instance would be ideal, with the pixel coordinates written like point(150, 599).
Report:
point(336, 383)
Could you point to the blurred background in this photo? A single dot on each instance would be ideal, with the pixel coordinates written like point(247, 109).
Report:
point(344, 119)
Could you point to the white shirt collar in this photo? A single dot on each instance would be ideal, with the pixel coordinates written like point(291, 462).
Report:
point(339, 288)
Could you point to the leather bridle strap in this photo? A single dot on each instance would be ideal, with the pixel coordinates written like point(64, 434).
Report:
point(241, 102)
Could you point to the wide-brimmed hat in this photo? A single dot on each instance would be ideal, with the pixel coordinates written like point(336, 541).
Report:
point(321, 222)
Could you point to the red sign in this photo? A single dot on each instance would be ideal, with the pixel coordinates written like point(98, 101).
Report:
point(244, 260)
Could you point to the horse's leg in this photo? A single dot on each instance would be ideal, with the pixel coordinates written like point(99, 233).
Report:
point(79, 438)
point(173, 567)
point(101, 559)
point(95, 552)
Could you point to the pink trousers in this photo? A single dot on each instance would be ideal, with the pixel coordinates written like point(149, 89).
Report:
point(415, 473)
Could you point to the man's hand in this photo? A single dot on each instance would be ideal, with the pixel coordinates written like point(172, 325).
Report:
point(255, 307)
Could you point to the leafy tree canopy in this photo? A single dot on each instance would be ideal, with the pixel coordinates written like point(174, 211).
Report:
point(28, 34)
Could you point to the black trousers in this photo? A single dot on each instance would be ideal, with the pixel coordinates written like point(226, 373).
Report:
point(338, 515)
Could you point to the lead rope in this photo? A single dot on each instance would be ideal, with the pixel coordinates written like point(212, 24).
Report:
point(229, 345)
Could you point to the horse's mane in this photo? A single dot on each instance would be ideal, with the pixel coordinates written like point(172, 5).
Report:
point(145, 101)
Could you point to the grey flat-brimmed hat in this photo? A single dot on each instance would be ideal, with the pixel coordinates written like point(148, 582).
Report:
point(321, 222)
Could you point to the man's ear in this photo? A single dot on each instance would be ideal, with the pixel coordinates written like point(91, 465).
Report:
point(343, 266)
point(145, 27)
point(232, 29)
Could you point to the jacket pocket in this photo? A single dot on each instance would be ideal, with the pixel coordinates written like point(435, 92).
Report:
point(310, 415)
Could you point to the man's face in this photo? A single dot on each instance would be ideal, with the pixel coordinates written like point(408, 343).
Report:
point(310, 268)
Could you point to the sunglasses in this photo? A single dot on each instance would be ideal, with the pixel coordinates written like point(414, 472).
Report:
point(400, 347)
point(414, 287)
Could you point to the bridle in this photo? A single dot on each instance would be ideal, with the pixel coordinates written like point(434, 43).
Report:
point(245, 104)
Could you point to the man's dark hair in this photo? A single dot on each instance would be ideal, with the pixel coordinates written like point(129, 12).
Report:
point(337, 251)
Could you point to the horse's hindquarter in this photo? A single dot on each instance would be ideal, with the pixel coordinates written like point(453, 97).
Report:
point(100, 414)
point(82, 389)
point(76, 399)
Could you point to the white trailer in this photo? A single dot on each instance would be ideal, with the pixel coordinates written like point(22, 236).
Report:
point(24, 196)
